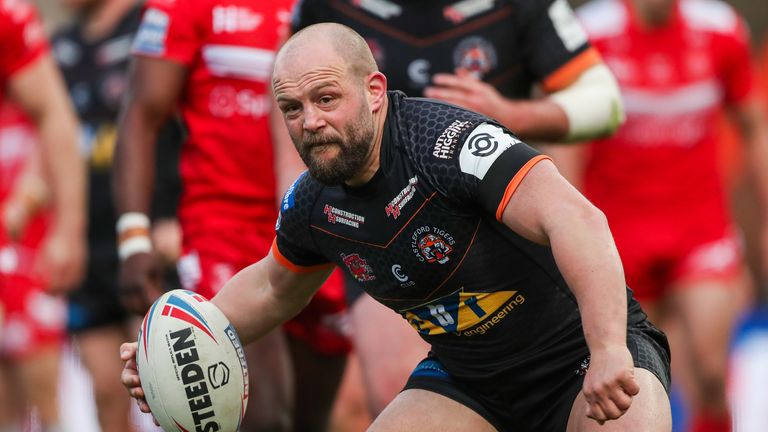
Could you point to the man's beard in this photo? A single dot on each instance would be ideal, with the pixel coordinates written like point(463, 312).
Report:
point(352, 154)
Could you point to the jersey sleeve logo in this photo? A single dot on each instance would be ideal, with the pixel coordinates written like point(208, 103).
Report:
point(152, 33)
point(482, 147)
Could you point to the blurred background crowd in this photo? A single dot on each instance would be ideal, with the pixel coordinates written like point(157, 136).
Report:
point(64, 239)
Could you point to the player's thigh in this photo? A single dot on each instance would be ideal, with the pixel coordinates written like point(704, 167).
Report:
point(649, 412)
point(39, 376)
point(417, 409)
point(98, 347)
point(11, 402)
point(388, 350)
point(707, 310)
point(270, 397)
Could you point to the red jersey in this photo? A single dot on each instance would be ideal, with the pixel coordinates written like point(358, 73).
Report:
point(674, 82)
point(228, 47)
point(22, 38)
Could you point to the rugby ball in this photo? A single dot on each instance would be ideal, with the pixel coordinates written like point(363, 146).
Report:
point(191, 365)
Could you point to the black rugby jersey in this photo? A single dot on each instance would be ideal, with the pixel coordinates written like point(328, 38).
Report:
point(423, 237)
point(510, 44)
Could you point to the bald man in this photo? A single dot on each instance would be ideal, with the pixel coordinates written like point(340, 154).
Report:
point(495, 260)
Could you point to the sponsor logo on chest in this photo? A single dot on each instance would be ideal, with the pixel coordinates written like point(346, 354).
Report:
point(336, 215)
point(235, 19)
point(383, 9)
point(406, 194)
point(465, 9)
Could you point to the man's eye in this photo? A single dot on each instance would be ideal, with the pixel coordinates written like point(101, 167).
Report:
point(326, 100)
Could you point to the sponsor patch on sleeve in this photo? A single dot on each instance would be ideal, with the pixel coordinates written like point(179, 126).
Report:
point(289, 197)
point(482, 147)
point(152, 33)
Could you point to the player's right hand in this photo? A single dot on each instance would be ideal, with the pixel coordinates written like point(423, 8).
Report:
point(130, 376)
point(609, 385)
point(140, 281)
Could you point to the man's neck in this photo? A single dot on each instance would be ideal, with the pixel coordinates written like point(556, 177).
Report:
point(100, 20)
point(374, 158)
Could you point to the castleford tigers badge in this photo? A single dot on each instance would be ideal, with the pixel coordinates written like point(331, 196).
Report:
point(432, 244)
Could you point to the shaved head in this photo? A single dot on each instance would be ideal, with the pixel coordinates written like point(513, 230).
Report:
point(349, 48)
point(333, 100)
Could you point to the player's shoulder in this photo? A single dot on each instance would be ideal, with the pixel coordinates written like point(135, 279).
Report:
point(434, 128)
point(714, 16)
point(447, 142)
point(604, 18)
point(298, 199)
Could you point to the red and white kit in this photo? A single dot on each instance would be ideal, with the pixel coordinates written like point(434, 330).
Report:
point(228, 207)
point(658, 179)
point(22, 38)
point(31, 319)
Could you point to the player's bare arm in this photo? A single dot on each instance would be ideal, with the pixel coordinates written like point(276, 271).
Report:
point(548, 210)
point(266, 294)
point(39, 90)
point(154, 89)
point(753, 122)
point(256, 300)
point(557, 117)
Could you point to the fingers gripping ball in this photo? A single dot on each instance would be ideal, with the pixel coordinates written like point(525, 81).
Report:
point(192, 366)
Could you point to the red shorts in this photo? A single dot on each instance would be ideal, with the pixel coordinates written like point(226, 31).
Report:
point(31, 319)
point(659, 252)
point(208, 262)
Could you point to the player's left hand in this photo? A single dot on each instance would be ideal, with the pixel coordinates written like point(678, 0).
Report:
point(62, 260)
point(466, 90)
point(609, 384)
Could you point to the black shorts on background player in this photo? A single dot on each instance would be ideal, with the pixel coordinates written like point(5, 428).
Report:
point(423, 237)
point(96, 74)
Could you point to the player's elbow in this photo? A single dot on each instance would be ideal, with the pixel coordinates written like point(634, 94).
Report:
point(592, 104)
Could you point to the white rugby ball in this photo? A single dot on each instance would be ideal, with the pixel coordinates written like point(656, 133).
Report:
point(191, 365)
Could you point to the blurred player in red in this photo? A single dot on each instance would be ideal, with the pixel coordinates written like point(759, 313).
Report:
point(93, 52)
point(212, 60)
point(38, 256)
point(678, 63)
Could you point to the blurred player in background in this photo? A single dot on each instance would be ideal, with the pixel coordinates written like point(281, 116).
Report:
point(212, 60)
point(679, 63)
point(490, 57)
point(44, 256)
point(93, 53)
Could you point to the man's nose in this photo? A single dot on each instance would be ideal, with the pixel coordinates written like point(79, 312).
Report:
point(313, 119)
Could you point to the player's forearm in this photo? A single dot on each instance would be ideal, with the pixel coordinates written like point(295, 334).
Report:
point(588, 259)
point(534, 120)
point(65, 166)
point(253, 305)
point(754, 125)
point(134, 171)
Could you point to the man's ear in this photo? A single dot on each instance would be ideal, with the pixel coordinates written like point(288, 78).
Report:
point(376, 90)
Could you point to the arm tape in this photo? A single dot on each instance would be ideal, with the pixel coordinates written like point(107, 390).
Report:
point(592, 104)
